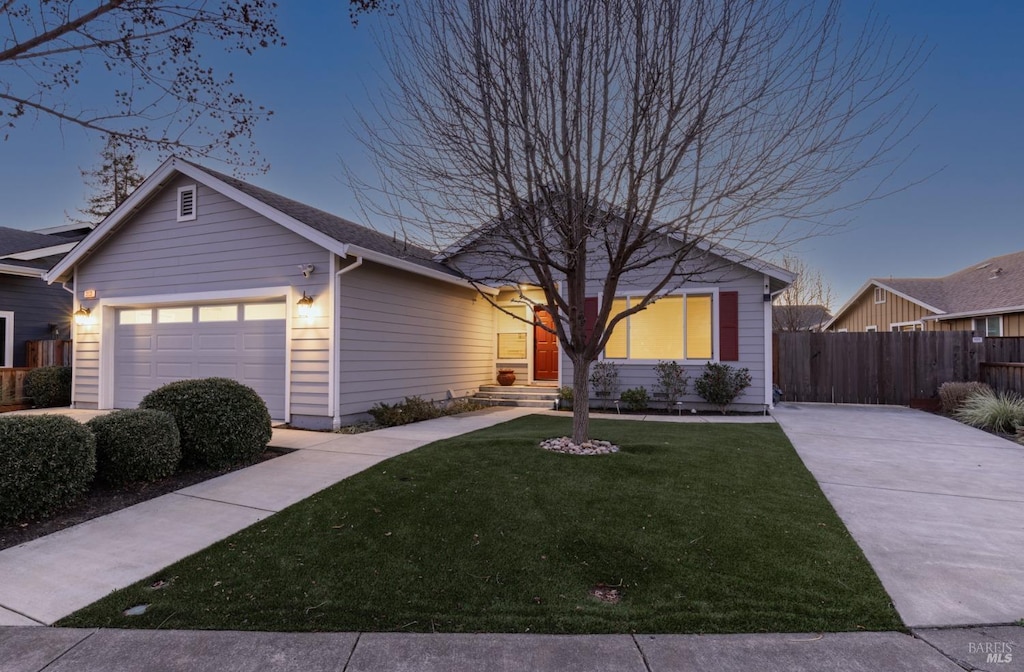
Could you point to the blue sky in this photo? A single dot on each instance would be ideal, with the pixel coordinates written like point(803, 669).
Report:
point(973, 208)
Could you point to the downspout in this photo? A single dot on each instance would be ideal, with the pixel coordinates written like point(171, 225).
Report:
point(335, 387)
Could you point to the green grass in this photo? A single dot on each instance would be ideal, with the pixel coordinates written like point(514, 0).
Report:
point(704, 528)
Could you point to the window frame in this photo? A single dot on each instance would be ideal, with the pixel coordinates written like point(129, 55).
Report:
point(195, 203)
point(880, 292)
point(8, 352)
point(683, 292)
point(871, 328)
point(999, 323)
point(897, 327)
point(527, 329)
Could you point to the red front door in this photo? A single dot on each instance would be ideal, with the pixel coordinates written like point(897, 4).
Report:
point(545, 347)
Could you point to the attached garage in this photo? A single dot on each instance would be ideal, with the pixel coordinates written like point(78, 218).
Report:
point(155, 345)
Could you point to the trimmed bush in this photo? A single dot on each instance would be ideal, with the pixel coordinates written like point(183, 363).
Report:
point(604, 378)
point(49, 386)
point(720, 384)
point(1002, 412)
point(46, 463)
point(672, 382)
point(636, 399)
point(954, 394)
point(221, 421)
point(135, 445)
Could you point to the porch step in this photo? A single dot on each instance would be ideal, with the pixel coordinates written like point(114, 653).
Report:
point(517, 395)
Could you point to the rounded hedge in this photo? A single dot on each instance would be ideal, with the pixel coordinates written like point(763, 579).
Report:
point(221, 421)
point(46, 463)
point(135, 445)
point(49, 386)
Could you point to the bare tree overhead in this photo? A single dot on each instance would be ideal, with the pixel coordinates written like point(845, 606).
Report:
point(146, 58)
point(807, 303)
point(590, 133)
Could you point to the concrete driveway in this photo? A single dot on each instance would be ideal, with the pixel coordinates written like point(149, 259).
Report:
point(937, 507)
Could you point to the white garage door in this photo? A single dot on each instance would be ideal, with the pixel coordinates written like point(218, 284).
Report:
point(155, 346)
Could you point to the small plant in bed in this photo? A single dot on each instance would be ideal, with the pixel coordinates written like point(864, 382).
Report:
point(995, 411)
point(721, 384)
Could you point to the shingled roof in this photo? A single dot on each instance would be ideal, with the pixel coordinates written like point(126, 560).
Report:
point(340, 229)
point(13, 241)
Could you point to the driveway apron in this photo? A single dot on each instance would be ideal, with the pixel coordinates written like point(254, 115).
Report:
point(937, 507)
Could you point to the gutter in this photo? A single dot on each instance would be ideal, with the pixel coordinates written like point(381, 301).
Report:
point(974, 313)
point(332, 374)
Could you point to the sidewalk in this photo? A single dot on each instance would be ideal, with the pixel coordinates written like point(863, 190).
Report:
point(48, 578)
point(33, 649)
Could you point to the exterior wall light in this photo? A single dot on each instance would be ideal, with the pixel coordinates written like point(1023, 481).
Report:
point(83, 316)
point(305, 305)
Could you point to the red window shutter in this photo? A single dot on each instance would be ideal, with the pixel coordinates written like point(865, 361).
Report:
point(729, 326)
point(589, 315)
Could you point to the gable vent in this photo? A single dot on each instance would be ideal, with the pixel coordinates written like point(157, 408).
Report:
point(187, 203)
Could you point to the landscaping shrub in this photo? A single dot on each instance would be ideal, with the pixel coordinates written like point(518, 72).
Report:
point(413, 409)
point(954, 394)
point(604, 377)
point(985, 409)
point(49, 386)
point(565, 396)
point(672, 381)
point(221, 421)
point(636, 399)
point(720, 384)
point(135, 445)
point(46, 462)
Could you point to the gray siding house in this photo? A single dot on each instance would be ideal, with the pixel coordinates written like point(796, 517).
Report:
point(30, 309)
point(200, 274)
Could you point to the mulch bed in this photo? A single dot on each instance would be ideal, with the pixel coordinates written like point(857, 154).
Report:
point(102, 499)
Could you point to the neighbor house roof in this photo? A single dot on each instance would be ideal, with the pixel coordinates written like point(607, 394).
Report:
point(334, 233)
point(799, 318)
point(993, 286)
point(30, 252)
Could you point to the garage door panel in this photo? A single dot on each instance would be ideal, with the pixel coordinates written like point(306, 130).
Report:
point(150, 355)
point(209, 342)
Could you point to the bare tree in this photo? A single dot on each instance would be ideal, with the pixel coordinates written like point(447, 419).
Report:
point(806, 304)
point(591, 133)
point(146, 57)
point(113, 180)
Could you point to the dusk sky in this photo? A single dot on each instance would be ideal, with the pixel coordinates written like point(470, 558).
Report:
point(973, 83)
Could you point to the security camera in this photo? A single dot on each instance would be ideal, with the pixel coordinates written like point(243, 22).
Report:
point(307, 269)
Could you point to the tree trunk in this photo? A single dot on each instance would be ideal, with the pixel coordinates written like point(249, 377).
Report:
point(580, 401)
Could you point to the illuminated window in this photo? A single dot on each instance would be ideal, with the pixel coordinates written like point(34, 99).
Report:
point(264, 311)
point(512, 332)
point(673, 327)
point(218, 313)
point(170, 315)
point(144, 316)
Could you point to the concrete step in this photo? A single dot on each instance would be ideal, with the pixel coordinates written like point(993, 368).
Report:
point(516, 395)
point(520, 389)
point(522, 403)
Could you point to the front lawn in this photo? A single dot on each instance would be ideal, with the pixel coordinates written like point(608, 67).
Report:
point(699, 528)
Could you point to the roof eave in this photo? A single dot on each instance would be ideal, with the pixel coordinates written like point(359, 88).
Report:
point(974, 313)
point(402, 264)
point(874, 281)
point(24, 271)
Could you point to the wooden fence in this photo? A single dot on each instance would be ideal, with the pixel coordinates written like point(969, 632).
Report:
point(12, 389)
point(48, 353)
point(890, 368)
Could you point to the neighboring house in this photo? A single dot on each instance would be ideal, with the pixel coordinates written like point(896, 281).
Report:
point(30, 309)
point(987, 298)
point(200, 274)
point(799, 318)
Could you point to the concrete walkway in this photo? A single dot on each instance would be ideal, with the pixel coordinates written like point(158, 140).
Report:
point(55, 650)
point(937, 507)
point(43, 580)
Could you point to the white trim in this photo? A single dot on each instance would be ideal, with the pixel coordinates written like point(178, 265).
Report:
point(871, 328)
point(41, 252)
point(105, 312)
point(907, 324)
point(683, 291)
point(173, 166)
point(334, 297)
point(842, 331)
point(8, 316)
point(24, 271)
point(975, 313)
point(769, 374)
point(879, 291)
point(194, 190)
point(74, 341)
